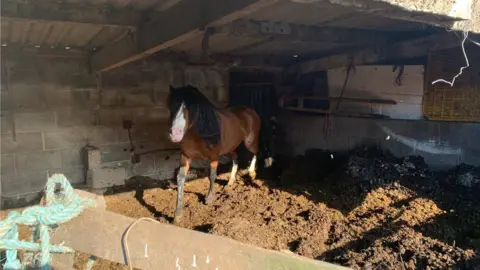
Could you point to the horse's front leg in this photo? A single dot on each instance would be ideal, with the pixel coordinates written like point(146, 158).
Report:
point(182, 174)
point(213, 177)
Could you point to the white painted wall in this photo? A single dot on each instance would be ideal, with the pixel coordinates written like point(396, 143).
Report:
point(378, 82)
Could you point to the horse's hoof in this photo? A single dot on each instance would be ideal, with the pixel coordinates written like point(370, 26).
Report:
point(230, 181)
point(209, 200)
point(252, 175)
point(177, 220)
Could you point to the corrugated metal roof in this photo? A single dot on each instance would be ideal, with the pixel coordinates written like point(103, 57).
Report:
point(42, 33)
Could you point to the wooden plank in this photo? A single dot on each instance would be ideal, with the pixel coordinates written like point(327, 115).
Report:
point(336, 113)
point(302, 33)
point(346, 99)
point(163, 246)
point(408, 49)
point(58, 11)
point(181, 22)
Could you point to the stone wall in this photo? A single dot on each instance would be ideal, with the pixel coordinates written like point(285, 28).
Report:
point(53, 107)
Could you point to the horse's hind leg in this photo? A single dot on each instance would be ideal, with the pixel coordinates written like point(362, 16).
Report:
point(182, 174)
point(251, 142)
point(213, 177)
point(233, 174)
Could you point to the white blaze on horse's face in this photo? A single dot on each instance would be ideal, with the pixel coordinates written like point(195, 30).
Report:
point(179, 125)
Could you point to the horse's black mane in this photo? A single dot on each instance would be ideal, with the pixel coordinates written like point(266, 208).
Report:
point(201, 113)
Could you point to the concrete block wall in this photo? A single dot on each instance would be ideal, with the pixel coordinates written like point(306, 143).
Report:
point(303, 132)
point(58, 107)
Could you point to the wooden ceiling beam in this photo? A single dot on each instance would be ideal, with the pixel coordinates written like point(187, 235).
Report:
point(181, 22)
point(301, 33)
point(69, 12)
point(401, 50)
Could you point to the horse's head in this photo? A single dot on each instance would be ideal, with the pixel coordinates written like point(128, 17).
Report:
point(189, 108)
point(178, 114)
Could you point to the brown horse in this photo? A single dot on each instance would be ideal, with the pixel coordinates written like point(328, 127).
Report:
point(206, 133)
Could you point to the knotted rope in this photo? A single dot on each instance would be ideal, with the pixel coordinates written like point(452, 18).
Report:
point(59, 208)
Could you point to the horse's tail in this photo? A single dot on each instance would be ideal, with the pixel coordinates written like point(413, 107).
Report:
point(265, 140)
point(263, 104)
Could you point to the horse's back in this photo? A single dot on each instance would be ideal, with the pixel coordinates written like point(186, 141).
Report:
point(248, 118)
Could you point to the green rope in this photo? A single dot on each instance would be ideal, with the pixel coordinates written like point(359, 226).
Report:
point(59, 208)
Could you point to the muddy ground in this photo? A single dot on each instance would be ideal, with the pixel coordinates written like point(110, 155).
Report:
point(372, 211)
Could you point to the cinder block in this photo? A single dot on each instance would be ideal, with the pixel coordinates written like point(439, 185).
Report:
point(28, 97)
point(38, 160)
point(70, 138)
point(67, 73)
point(136, 97)
point(145, 132)
point(158, 116)
point(114, 117)
point(145, 167)
point(93, 157)
point(37, 121)
point(26, 181)
point(4, 101)
point(195, 76)
point(167, 161)
point(78, 99)
point(59, 100)
point(5, 122)
point(161, 96)
point(8, 164)
point(115, 153)
point(106, 177)
point(72, 158)
point(20, 200)
point(86, 98)
point(76, 118)
point(74, 175)
point(166, 175)
point(26, 142)
point(25, 72)
point(120, 79)
point(109, 97)
point(8, 183)
point(147, 78)
point(177, 78)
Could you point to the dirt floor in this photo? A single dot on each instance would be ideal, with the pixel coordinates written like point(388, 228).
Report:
point(372, 211)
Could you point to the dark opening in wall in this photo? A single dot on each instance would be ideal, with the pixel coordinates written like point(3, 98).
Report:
point(257, 91)
point(312, 84)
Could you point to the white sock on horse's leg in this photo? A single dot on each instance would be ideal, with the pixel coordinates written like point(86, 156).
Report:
point(251, 169)
point(233, 174)
point(268, 162)
point(234, 170)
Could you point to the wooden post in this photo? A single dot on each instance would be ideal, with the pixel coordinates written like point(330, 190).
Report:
point(163, 246)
